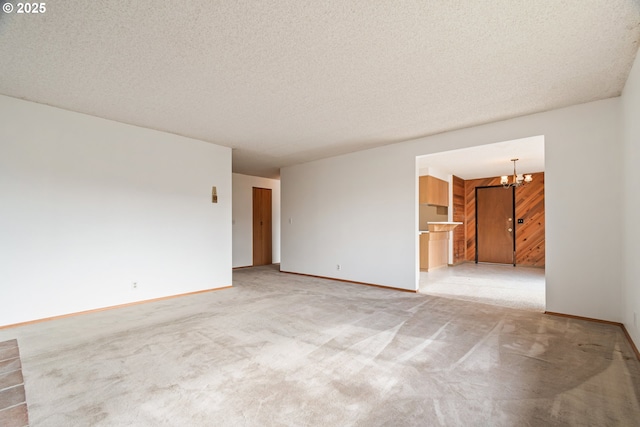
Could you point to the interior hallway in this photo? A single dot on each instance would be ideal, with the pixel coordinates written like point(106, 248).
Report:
point(281, 349)
point(502, 285)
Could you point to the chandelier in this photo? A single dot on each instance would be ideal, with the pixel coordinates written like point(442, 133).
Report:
point(518, 180)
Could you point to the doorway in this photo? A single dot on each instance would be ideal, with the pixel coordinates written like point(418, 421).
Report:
point(495, 230)
point(488, 277)
point(262, 252)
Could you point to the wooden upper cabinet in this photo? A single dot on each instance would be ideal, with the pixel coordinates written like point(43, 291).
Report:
point(434, 191)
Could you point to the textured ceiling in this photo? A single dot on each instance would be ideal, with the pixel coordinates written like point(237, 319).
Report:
point(288, 81)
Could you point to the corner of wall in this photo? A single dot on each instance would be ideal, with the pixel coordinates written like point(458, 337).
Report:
point(630, 135)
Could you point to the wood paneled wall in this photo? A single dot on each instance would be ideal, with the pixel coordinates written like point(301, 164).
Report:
point(459, 213)
point(530, 244)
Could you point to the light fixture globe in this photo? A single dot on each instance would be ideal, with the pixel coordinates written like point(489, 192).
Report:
point(517, 179)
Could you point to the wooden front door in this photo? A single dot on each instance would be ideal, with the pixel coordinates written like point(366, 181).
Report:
point(495, 234)
point(261, 226)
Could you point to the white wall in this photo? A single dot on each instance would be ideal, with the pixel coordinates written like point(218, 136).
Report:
point(360, 209)
point(356, 210)
point(445, 176)
point(243, 217)
point(90, 206)
point(631, 137)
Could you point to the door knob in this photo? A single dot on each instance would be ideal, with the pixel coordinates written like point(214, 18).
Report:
point(510, 230)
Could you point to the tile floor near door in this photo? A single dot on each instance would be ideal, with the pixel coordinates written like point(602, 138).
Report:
point(13, 406)
point(503, 285)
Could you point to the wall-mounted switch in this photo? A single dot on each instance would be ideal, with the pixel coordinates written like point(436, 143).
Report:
point(214, 195)
point(520, 221)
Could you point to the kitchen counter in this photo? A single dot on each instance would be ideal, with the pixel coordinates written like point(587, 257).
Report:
point(442, 226)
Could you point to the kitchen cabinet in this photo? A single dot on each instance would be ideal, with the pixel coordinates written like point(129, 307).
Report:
point(424, 251)
point(434, 245)
point(433, 191)
point(433, 250)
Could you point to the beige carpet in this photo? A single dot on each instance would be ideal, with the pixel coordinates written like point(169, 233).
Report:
point(283, 349)
point(502, 285)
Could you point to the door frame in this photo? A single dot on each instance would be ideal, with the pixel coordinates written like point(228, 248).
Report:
point(513, 215)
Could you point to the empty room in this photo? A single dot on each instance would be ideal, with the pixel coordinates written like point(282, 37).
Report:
point(216, 213)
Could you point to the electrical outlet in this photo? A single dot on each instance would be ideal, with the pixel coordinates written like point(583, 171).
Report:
point(134, 285)
point(338, 267)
